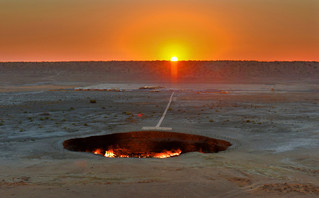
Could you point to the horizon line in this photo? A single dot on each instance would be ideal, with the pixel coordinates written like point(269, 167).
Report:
point(221, 60)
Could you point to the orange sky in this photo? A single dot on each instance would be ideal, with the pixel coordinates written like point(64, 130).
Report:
point(66, 30)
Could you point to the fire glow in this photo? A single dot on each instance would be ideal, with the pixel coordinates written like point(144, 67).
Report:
point(145, 144)
point(114, 153)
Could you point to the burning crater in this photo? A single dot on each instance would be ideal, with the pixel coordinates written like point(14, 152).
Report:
point(146, 144)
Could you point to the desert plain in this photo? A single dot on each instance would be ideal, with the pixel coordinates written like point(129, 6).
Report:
point(268, 111)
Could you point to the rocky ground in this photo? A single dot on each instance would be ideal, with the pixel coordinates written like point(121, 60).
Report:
point(273, 128)
point(274, 135)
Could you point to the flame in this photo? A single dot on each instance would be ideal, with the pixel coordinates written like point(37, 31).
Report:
point(167, 154)
point(124, 156)
point(98, 152)
point(113, 153)
point(109, 153)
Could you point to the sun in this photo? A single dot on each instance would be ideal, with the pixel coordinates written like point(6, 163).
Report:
point(174, 58)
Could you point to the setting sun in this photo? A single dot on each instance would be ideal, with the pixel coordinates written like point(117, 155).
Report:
point(174, 58)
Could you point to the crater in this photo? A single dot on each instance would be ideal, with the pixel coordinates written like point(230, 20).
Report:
point(146, 144)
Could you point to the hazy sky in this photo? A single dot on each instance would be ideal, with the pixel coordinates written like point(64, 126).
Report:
point(53, 30)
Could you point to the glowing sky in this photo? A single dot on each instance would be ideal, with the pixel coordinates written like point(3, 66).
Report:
point(53, 30)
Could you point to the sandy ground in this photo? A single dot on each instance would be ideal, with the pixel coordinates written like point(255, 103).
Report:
point(274, 129)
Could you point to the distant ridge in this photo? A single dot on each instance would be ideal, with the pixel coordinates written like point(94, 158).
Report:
point(221, 60)
point(159, 71)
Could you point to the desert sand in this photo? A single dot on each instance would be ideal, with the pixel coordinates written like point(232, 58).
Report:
point(268, 111)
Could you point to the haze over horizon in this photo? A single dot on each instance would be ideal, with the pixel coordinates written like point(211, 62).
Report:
point(80, 30)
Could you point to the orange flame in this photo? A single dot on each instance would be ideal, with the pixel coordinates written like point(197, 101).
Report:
point(109, 153)
point(119, 153)
point(98, 152)
point(167, 154)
